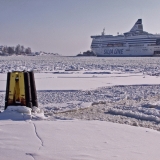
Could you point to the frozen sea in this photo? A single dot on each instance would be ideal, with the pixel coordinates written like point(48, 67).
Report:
point(117, 93)
point(119, 87)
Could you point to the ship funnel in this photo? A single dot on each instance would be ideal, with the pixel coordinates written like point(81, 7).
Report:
point(138, 26)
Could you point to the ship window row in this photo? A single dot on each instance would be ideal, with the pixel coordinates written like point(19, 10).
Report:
point(142, 43)
point(122, 44)
point(135, 45)
point(135, 34)
point(112, 45)
point(122, 40)
point(109, 45)
point(111, 42)
point(135, 40)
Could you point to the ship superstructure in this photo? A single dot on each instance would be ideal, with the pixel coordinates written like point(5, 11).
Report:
point(136, 43)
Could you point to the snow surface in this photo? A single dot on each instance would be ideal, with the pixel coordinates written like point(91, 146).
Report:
point(72, 139)
point(78, 99)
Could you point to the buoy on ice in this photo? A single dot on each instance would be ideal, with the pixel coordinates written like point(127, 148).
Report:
point(21, 89)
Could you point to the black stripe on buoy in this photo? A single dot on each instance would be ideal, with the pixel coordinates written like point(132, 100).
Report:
point(27, 90)
point(33, 89)
point(7, 89)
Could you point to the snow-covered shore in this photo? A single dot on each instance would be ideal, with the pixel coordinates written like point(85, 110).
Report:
point(73, 92)
point(80, 140)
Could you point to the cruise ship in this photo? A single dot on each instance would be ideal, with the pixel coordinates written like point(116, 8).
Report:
point(135, 43)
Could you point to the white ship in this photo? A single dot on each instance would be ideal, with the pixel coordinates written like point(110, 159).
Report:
point(136, 43)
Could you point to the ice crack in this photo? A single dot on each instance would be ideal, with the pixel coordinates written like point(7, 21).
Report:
point(30, 154)
point(35, 129)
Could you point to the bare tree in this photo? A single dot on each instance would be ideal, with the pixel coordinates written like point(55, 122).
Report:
point(18, 49)
point(28, 50)
point(5, 49)
point(22, 49)
point(10, 50)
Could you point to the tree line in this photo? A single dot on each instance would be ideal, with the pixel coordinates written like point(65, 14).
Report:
point(19, 49)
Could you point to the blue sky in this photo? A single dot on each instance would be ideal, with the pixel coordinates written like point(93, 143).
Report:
point(65, 26)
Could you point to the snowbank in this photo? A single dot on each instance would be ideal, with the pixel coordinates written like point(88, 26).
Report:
point(22, 113)
point(81, 140)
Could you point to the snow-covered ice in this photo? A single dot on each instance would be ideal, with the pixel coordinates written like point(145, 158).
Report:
point(79, 98)
point(23, 138)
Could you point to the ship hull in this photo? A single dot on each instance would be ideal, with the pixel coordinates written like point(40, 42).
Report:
point(124, 52)
point(125, 56)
